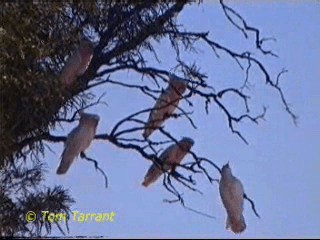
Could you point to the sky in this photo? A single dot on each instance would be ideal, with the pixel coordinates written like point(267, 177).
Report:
point(279, 168)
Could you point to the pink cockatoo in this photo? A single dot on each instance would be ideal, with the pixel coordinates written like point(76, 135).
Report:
point(165, 104)
point(77, 63)
point(232, 195)
point(174, 154)
point(78, 140)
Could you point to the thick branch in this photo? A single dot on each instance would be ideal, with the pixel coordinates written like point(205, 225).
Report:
point(135, 41)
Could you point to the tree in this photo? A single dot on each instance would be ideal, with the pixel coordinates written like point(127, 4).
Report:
point(35, 103)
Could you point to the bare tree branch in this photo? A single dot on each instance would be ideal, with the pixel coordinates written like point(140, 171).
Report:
point(252, 205)
point(124, 37)
point(259, 41)
point(96, 165)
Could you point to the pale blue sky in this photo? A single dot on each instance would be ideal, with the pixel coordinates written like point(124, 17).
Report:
point(279, 168)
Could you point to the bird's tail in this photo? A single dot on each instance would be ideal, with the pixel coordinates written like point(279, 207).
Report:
point(151, 177)
point(65, 163)
point(149, 180)
point(146, 183)
point(238, 226)
point(151, 126)
point(148, 130)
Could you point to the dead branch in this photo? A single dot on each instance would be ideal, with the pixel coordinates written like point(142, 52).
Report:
point(259, 41)
point(96, 165)
point(252, 205)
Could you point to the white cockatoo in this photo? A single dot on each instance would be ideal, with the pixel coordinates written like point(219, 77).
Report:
point(78, 140)
point(232, 195)
point(77, 63)
point(165, 104)
point(174, 154)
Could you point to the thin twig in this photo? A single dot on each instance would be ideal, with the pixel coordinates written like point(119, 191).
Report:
point(96, 165)
point(252, 205)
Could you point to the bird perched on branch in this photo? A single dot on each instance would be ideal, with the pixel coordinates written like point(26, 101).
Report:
point(165, 104)
point(77, 63)
point(232, 195)
point(174, 154)
point(78, 140)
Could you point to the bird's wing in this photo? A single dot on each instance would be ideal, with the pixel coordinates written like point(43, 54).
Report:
point(160, 112)
point(73, 147)
point(90, 132)
point(155, 171)
point(232, 196)
point(70, 69)
point(238, 194)
point(177, 155)
point(85, 62)
point(152, 175)
point(165, 154)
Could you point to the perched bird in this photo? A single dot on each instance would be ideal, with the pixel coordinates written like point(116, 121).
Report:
point(232, 195)
point(174, 154)
point(165, 104)
point(78, 140)
point(77, 63)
